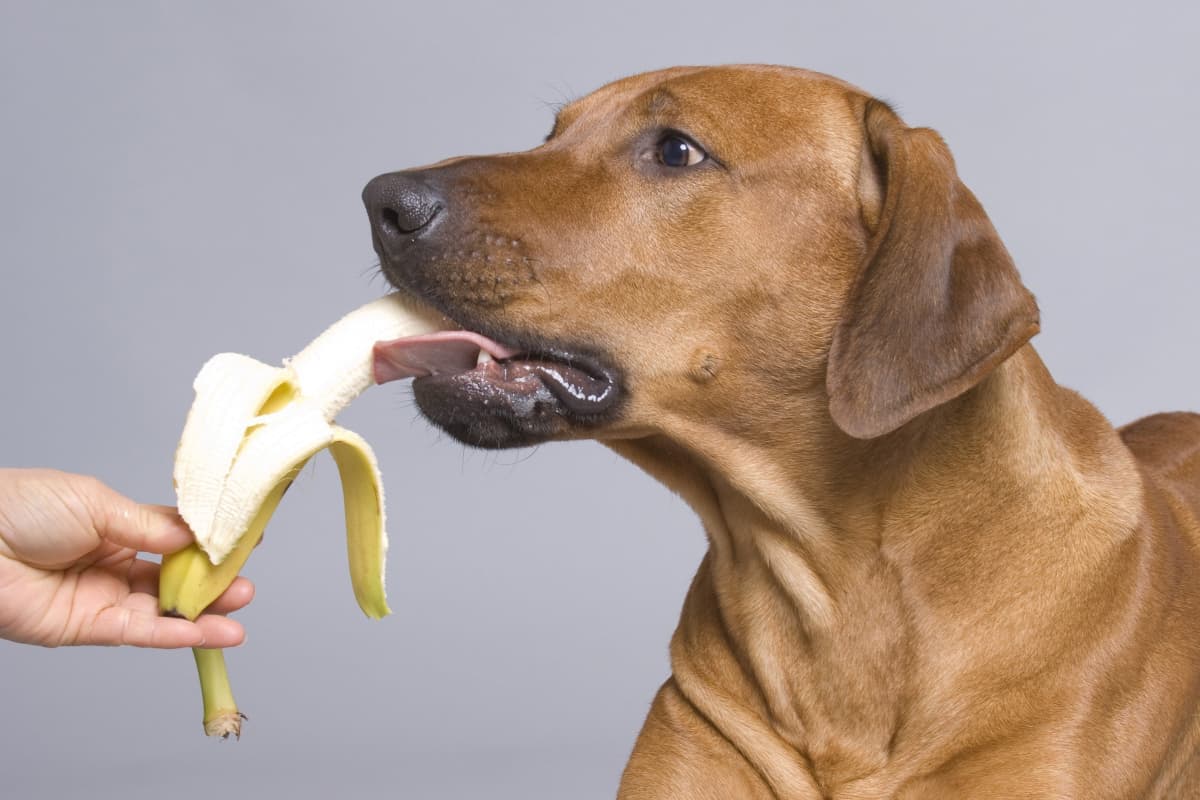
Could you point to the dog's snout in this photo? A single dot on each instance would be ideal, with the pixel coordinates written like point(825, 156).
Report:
point(402, 208)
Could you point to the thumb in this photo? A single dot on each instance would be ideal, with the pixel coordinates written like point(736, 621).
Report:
point(143, 527)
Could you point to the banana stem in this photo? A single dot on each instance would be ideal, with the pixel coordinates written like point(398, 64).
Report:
point(221, 715)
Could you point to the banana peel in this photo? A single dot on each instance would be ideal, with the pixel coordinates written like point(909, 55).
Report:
point(251, 429)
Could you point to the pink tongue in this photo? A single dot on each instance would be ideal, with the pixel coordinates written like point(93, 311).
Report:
point(441, 353)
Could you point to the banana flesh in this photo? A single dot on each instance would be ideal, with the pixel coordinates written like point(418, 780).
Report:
point(250, 430)
point(237, 396)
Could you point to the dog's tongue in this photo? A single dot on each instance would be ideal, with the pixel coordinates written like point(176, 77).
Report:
point(441, 353)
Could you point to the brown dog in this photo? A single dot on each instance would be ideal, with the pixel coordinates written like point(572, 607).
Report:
point(933, 572)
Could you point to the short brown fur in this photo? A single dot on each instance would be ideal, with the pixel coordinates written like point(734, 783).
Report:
point(933, 572)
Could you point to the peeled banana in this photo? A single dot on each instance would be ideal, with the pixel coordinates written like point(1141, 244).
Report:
point(250, 430)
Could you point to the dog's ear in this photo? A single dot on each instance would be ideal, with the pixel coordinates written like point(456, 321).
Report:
point(937, 302)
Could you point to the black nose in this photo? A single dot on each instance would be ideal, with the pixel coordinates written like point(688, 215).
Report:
point(402, 207)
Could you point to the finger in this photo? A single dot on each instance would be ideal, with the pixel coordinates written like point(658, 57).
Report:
point(220, 631)
point(158, 508)
point(122, 625)
point(143, 576)
point(141, 603)
point(238, 595)
point(119, 625)
point(147, 528)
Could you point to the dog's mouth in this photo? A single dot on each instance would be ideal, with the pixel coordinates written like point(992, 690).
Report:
point(492, 394)
point(474, 362)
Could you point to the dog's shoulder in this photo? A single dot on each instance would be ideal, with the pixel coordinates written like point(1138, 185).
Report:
point(1168, 444)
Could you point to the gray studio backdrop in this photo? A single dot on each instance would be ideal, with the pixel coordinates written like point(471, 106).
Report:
point(180, 179)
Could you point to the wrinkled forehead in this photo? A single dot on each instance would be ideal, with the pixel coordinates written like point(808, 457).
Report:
point(736, 108)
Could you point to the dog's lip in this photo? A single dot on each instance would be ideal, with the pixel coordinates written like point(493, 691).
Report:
point(577, 382)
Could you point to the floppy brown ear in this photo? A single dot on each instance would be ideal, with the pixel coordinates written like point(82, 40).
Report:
point(937, 303)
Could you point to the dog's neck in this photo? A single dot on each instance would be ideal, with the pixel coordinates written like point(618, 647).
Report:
point(843, 593)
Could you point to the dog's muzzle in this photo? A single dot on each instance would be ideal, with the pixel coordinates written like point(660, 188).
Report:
point(490, 385)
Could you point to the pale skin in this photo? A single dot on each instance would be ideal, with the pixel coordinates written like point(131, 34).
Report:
point(70, 572)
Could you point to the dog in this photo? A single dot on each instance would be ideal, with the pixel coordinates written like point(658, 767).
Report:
point(932, 571)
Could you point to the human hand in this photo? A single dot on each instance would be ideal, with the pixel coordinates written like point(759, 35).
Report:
point(69, 571)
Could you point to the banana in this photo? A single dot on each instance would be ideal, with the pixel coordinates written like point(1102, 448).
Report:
point(250, 430)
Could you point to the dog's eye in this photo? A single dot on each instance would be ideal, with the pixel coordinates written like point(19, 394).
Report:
point(676, 151)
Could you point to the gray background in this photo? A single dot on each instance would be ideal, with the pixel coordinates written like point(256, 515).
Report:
point(181, 179)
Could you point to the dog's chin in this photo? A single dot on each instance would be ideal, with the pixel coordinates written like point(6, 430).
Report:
point(478, 412)
point(516, 403)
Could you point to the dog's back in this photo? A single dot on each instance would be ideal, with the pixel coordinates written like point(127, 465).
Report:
point(1168, 445)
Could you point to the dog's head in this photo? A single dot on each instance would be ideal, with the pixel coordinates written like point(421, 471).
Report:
point(734, 244)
